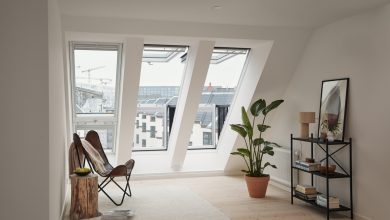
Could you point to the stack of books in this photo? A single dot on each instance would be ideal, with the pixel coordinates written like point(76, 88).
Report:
point(334, 202)
point(307, 166)
point(306, 192)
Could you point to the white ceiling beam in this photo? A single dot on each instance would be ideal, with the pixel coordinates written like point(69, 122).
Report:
point(198, 61)
point(132, 58)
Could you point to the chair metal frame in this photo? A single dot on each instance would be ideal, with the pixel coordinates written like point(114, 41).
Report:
point(118, 171)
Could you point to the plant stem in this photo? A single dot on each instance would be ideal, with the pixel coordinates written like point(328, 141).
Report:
point(250, 157)
point(254, 147)
point(260, 153)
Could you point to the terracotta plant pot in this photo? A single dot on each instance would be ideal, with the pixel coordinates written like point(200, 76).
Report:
point(257, 186)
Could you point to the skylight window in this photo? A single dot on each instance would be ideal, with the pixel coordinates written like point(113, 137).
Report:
point(226, 65)
point(161, 54)
point(160, 80)
point(221, 54)
point(95, 73)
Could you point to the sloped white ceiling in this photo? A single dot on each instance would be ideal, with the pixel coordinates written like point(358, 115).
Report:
point(282, 13)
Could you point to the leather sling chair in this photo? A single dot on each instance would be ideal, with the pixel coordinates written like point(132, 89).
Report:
point(111, 172)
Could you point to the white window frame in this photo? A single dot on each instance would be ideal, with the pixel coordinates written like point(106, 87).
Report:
point(165, 135)
point(97, 120)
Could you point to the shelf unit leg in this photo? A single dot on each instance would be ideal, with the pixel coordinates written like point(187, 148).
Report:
point(311, 156)
point(350, 177)
point(292, 171)
point(327, 181)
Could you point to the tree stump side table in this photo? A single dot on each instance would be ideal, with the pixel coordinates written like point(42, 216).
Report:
point(84, 197)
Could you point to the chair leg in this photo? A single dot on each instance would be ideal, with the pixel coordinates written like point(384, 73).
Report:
point(105, 183)
point(127, 185)
point(101, 188)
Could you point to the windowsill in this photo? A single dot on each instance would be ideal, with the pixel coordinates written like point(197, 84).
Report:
point(200, 149)
point(150, 152)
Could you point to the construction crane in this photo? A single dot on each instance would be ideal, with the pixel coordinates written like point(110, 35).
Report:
point(103, 81)
point(90, 70)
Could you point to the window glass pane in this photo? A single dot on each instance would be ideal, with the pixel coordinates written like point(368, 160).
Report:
point(106, 135)
point(143, 143)
point(221, 82)
point(95, 77)
point(152, 131)
point(95, 73)
point(207, 138)
point(161, 75)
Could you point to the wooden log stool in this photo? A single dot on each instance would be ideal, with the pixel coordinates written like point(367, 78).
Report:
point(84, 198)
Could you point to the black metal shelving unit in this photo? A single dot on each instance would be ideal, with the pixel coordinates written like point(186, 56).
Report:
point(325, 146)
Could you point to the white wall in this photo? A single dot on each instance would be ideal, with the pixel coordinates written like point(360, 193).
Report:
point(58, 143)
point(24, 95)
point(358, 48)
point(277, 73)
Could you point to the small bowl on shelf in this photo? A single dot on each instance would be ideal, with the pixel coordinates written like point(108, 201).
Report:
point(82, 171)
point(331, 168)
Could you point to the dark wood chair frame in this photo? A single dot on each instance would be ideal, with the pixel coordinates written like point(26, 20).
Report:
point(119, 171)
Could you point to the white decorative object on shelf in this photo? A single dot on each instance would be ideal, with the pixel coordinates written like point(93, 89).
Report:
point(330, 136)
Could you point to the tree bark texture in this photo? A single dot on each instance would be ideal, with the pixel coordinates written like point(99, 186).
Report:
point(84, 197)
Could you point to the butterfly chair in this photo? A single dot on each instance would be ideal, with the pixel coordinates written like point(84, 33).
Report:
point(110, 172)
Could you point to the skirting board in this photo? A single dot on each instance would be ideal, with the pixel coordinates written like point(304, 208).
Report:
point(177, 175)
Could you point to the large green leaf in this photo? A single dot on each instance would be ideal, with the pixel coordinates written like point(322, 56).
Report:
point(268, 143)
point(269, 164)
point(257, 107)
point(246, 122)
point(272, 106)
point(244, 151)
point(267, 148)
point(258, 141)
point(271, 152)
point(262, 128)
point(237, 153)
point(239, 129)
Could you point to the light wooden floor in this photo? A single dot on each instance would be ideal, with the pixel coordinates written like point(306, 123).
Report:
point(229, 195)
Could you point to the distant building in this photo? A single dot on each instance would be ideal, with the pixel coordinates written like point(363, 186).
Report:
point(152, 122)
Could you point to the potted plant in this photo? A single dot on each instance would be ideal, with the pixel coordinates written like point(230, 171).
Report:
point(332, 131)
point(255, 146)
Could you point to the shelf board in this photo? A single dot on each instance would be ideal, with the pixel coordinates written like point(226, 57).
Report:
point(319, 141)
point(334, 175)
point(342, 208)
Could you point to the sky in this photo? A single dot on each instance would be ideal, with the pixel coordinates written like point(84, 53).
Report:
point(225, 74)
point(104, 63)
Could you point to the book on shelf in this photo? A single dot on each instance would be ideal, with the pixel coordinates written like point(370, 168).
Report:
point(332, 199)
point(305, 163)
point(306, 189)
point(307, 166)
point(312, 197)
point(331, 205)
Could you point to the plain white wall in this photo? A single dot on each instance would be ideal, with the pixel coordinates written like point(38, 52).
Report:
point(24, 111)
point(57, 113)
point(358, 48)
